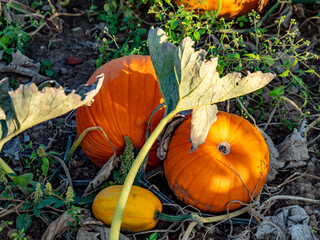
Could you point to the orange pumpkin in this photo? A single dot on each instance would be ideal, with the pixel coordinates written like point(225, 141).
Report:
point(230, 8)
point(233, 162)
point(122, 107)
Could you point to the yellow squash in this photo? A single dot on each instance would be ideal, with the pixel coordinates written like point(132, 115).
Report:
point(139, 213)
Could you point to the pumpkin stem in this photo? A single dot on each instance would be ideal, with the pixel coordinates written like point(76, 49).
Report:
point(173, 218)
point(224, 148)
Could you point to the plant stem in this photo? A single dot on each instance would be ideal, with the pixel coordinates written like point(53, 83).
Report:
point(8, 170)
point(123, 197)
point(174, 218)
point(219, 8)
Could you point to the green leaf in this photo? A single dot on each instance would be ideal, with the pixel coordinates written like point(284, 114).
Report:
point(277, 92)
point(161, 53)
point(4, 40)
point(48, 202)
point(197, 35)
point(36, 210)
point(23, 180)
point(27, 106)
point(23, 222)
point(153, 236)
point(284, 74)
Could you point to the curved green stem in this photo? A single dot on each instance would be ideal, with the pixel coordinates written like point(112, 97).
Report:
point(219, 8)
point(117, 217)
point(81, 137)
point(8, 170)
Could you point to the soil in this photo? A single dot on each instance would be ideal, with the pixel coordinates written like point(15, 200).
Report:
point(77, 40)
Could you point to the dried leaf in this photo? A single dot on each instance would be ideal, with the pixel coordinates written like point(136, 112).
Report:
point(24, 66)
point(294, 150)
point(95, 230)
point(103, 174)
point(62, 224)
point(166, 134)
point(201, 121)
point(27, 106)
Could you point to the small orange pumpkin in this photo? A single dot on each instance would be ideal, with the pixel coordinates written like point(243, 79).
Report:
point(122, 107)
point(232, 162)
point(230, 8)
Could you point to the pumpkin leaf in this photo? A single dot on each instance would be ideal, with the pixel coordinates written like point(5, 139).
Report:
point(201, 121)
point(162, 57)
point(188, 80)
point(27, 106)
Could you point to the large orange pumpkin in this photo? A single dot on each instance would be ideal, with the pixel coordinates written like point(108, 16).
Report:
point(230, 8)
point(122, 107)
point(233, 162)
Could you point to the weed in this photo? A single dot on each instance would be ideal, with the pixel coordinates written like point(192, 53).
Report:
point(76, 217)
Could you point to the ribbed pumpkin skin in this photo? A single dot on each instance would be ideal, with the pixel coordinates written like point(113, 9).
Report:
point(230, 8)
point(122, 107)
point(139, 211)
point(208, 179)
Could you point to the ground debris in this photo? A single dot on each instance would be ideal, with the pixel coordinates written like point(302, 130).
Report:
point(24, 66)
point(288, 223)
point(294, 150)
point(62, 224)
point(95, 230)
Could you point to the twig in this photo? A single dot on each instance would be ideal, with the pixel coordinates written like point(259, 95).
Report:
point(189, 230)
point(314, 123)
point(243, 107)
point(313, 140)
point(64, 166)
point(271, 115)
point(292, 178)
point(315, 17)
point(287, 197)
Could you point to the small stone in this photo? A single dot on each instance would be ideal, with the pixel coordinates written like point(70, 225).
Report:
point(46, 7)
point(73, 61)
point(310, 195)
point(26, 138)
point(294, 89)
point(63, 71)
point(308, 210)
point(313, 220)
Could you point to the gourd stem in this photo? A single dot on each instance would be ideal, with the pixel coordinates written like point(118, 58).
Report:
point(174, 218)
point(219, 8)
point(123, 197)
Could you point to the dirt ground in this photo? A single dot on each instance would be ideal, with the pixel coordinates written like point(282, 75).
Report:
point(77, 40)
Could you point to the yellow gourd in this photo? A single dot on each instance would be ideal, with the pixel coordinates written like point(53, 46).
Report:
point(139, 213)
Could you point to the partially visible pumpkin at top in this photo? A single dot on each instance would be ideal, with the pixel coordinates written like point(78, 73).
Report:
point(230, 8)
point(129, 94)
point(230, 168)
